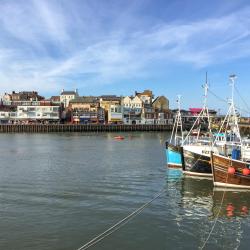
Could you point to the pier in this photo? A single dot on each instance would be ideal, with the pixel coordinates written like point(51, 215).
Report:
point(57, 128)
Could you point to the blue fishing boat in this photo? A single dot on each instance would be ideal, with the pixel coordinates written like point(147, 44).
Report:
point(174, 154)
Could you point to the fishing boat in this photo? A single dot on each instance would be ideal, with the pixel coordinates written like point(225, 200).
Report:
point(174, 153)
point(197, 145)
point(232, 170)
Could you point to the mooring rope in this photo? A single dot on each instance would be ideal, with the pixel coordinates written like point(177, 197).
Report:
point(216, 218)
point(120, 223)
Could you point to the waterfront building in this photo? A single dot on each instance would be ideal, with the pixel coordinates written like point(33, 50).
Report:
point(67, 96)
point(132, 108)
point(115, 114)
point(86, 110)
point(6, 114)
point(38, 113)
point(24, 111)
point(189, 116)
point(148, 114)
point(106, 101)
point(161, 103)
point(161, 109)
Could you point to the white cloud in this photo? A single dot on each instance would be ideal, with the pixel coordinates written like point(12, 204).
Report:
point(46, 44)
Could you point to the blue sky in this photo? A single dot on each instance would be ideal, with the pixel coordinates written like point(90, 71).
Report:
point(117, 47)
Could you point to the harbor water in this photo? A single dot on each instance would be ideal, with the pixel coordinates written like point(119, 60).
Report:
point(58, 191)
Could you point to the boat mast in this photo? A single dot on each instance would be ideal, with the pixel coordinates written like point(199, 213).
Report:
point(231, 119)
point(235, 126)
point(204, 113)
point(177, 123)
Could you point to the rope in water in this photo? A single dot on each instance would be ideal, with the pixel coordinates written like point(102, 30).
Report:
point(216, 219)
point(120, 223)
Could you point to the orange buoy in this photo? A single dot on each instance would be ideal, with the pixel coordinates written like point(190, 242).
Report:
point(231, 170)
point(244, 209)
point(245, 171)
point(230, 213)
point(230, 207)
point(119, 137)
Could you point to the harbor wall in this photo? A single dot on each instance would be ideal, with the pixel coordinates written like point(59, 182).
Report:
point(56, 128)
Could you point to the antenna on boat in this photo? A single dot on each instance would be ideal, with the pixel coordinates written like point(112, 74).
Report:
point(205, 86)
point(232, 83)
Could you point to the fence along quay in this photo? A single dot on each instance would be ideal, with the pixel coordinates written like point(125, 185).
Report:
point(56, 128)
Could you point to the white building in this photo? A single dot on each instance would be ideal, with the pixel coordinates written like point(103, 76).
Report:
point(115, 113)
point(132, 108)
point(51, 113)
point(7, 116)
point(67, 96)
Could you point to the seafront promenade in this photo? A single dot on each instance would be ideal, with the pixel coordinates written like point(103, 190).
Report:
point(56, 128)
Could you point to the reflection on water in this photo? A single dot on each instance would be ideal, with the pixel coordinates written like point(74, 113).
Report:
point(234, 204)
point(200, 205)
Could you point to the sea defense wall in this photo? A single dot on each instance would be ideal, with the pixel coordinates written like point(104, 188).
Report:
point(54, 128)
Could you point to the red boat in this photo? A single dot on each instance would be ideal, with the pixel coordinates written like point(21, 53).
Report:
point(119, 137)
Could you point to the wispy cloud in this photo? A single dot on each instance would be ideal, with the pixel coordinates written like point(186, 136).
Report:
point(48, 44)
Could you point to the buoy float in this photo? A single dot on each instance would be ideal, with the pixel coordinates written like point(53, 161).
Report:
point(245, 171)
point(230, 207)
point(230, 213)
point(244, 209)
point(119, 137)
point(231, 170)
point(230, 210)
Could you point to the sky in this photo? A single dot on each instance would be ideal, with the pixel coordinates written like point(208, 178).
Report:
point(118, 47)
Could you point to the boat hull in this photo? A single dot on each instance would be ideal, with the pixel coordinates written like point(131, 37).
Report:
point(222, 178)
point(196, 165)
point(174, 156)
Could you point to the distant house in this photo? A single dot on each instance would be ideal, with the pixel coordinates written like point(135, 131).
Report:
point(55, 99)
point(106, 101)
point(86, 110)
point(14, 98)
point(132, 108)
point(39, 113)
point(30, 111)
point(161, 103)
point(67, 96)
point(146, 96)
point(115, 114)
point(148, 114)
point(7, 114)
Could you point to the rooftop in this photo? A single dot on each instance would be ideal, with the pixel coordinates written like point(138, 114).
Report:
point(68, 92)
point(85, 99)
